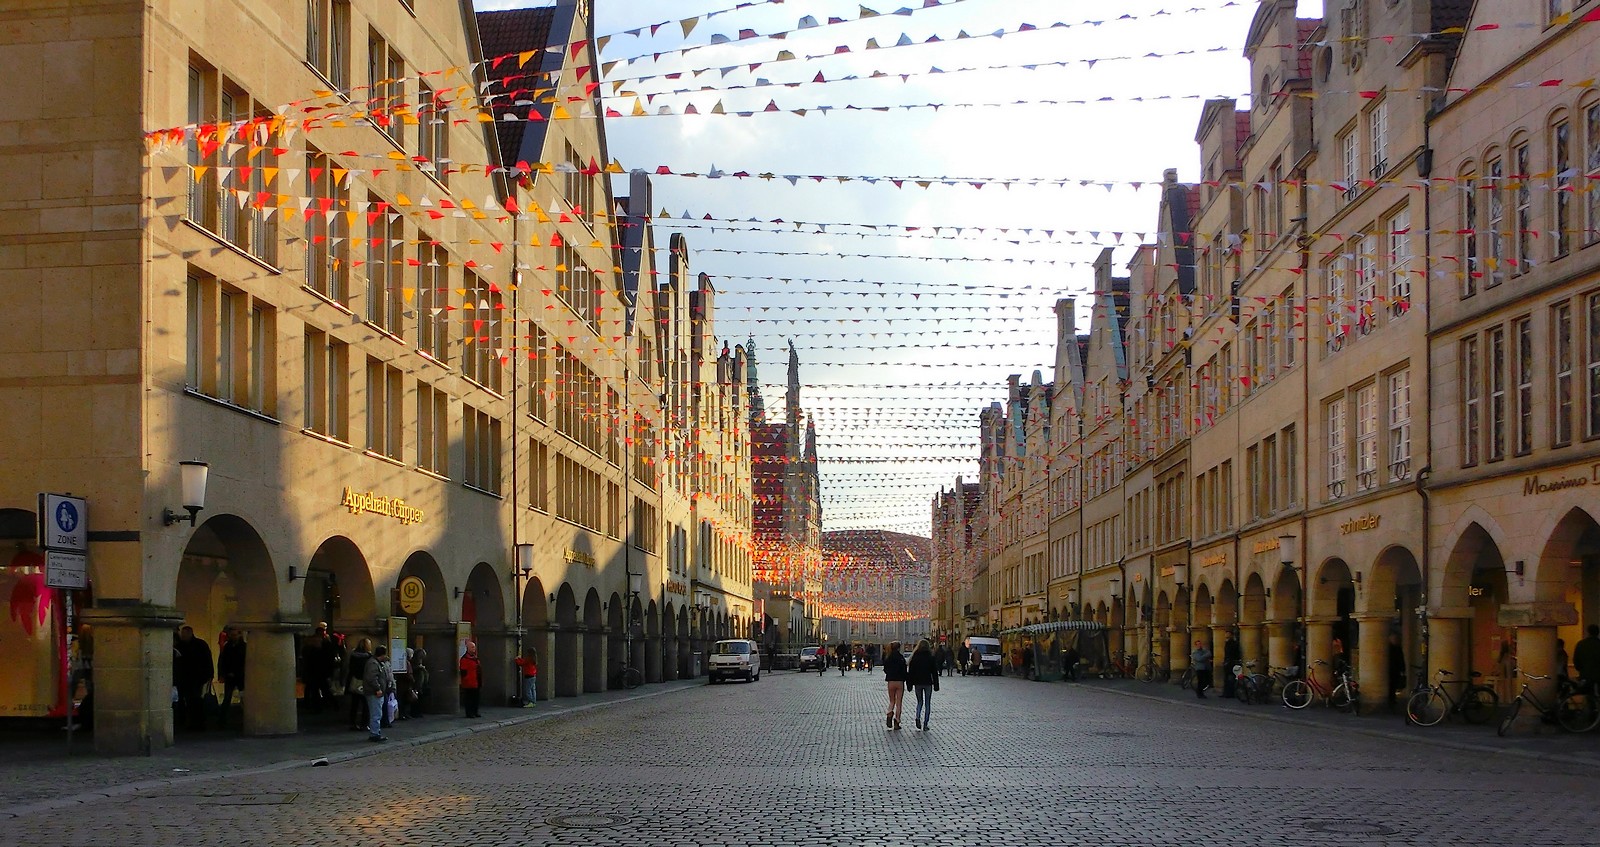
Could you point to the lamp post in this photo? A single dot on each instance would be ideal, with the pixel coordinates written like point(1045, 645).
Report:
point(1122, 625)
point(1289, 554)
point(193, 475)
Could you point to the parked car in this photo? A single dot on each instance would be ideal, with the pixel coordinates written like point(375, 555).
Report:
point(812, 658)
point(735, 658)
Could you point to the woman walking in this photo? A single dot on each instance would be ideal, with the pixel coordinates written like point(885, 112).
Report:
point(923, 676)
point(894, 671)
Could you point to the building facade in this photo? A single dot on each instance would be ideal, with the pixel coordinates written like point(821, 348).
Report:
point(395, 326)
point(788, 516)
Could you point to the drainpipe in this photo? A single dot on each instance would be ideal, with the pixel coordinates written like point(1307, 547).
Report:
point(1425, 170)
point(517, 577)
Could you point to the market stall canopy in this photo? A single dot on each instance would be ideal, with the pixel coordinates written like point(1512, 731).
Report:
point(1054, 626)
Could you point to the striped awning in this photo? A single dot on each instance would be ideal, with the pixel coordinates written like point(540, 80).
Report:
point(1055, 626)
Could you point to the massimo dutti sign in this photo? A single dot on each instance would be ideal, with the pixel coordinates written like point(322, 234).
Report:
point(1539, 484)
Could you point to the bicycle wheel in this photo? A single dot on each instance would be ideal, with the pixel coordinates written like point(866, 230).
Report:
point(1427, 707)
point(1577, 713)
point(631, 678)
point(1481, 705)
point(1511, 716)
point(1186, 680)
point(1241, 689)
point(1341, 698)
point(1297, 694)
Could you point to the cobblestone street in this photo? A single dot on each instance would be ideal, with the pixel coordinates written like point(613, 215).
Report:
point(801, 759)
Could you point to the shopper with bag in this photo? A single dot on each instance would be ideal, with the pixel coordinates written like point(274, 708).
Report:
point(377, 680)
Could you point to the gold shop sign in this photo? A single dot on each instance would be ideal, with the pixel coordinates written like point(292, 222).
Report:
point(1361, 524)
point(358, 502)
point(1211, 561)
point(1266, 545)
point(578, 557)
point(676, 586)
point(1536, 484)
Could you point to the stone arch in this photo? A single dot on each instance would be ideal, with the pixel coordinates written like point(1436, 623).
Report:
point(1286, 600)
point(685, 642)
point(1475, 580)
point(1475, 535)
point(655, 663)
point(1333, 579)
point(338, 589)
point(594, 643)
point(431, 628)
point(227, 577)
point(569, 656)
point(1567, 566)
point(1201, 617)
point(1225, 606)
point(484, 598)
point(616, 619)
point(1253, 603)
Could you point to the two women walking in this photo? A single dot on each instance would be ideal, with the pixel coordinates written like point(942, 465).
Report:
point(921, 673)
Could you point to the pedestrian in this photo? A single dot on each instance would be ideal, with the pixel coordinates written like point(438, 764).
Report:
point(193, 672)
point(528, 663)
point(841, 654)
point(421, 677)
point(962, 653)
point(922, 674)
point(1397, 668)
point(377, 680)
point(1069, 663)
point(471, 680)
point(1508, 662)
point(230, 669)
point(317, 662)
point(1586, 657)
point(894, 673)
point(1200, 660)
point(1232, 657)
point(405, 685)
point(1561, 661)
point(355, 683)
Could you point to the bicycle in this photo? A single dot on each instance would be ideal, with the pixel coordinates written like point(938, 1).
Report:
point(1186, 681)
point(1431, 704)
point(1248, 686)
point(1120, 667)
point(1152, 672)
point(1299, 693)
point(1573, 707)
point(628, 676)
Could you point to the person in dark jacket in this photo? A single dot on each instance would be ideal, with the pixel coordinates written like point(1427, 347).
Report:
point(354, 683)
point(230, 669)
point(894, 672)
point(841, 655)
point(922, 674)
point(1586, 656)
point(1231, 655)
point(962, 655)
point(192, 670)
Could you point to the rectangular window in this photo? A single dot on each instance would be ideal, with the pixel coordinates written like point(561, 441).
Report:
point(1252, 470)
point(1497, 393)
point(1271, 482)
point(385, 257)
point(1252, 358)
point(1561, 330)
point(1498, 253)
point(1522, 193)
point(227, 338)
point(1378, 124)
point(1288, 326)
point(1472, 402)
point(538, 476)
point(1400, 263)
point(484, 332)
point(539, 372)
point(433, 430)
point(202, 186)
point(386, 88)
point(1399, 425)
point(1364, 249)
point(1337, 310)
point(433, 295)
point(1592, 362)
point(263, 357)
point(1522, 369)
point(1338, 448)
point(327, 228)
point(1269, 341)
point(198, 326)
point(482, 437)
point(644, 526)
point(328, 41)
point(1350, 153)
point(1366, 438)
point(385, 419)
point(433, 133)
point(327, 384)
point(1591, 140)
point(1290, 475)
point(614, 515)
point(1471, 264)
point(1561, 196)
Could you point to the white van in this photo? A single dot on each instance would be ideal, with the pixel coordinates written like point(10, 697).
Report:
point(736, 658)
point(983, 655)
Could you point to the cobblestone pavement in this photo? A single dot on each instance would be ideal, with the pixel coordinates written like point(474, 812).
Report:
point(799, 759)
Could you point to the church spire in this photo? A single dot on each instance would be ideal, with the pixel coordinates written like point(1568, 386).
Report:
point(792, 400)
point(758, 406)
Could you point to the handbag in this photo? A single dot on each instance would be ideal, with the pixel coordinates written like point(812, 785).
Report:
point(208, 701)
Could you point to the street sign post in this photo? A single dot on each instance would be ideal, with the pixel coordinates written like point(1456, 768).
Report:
point(64, 536)
point(66, 570)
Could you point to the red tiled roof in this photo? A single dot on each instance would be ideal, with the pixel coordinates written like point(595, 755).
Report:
point(1304, 29)
point(505, 33)
point(1241, 128)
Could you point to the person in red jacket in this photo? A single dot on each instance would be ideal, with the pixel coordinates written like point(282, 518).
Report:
point(528, 662)
point(471, 680)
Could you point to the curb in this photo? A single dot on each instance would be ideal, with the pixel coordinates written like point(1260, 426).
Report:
point(342, 757)
point(1388, 735)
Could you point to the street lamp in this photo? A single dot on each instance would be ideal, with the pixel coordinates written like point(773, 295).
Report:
point(193, 475)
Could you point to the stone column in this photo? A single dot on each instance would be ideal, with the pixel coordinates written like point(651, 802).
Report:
point(543, 640)
point(1536, 649)
point(1319, 648)
point(1445, 648)
point(444, 668)
point(132, 675)
point(1178, 649)
point(269, 678)
point(1372, 664)
point(1280, 645)
point(1250, 646)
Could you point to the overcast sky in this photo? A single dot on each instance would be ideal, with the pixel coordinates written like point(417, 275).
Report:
point(938, 327)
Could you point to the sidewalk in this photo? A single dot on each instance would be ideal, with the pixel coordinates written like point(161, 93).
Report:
point(1550, 744)
point(39, 772)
